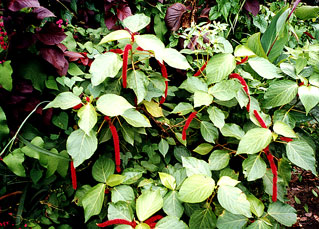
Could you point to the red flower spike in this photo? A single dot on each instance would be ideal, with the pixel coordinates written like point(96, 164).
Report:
point(153, 219)
point(107, 118)
point(127, 48)
point(116, 142)
point(188, 122)
point(274, 172)
point(73, 175)
point(164, 74)
point(301, 83)
point(116, 221)
point(245, 86)
point(78, 106)
point(152, 225)
point(286, 139)
point(242, 60)
point(139, 48)
point(87, 99)
point(201, 69)
point(118, 51)
point(260, 120)
point(309, 35)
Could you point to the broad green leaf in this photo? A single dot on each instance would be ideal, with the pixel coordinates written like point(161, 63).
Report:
point(119, 210)
point(259, 224)
point(175, 59)
point(218, 159)
point(254, 141)
point(217, 116)
point(88, 117)
point(202, 98)
point(195, 166)
point(135, 118)
point(208, 131)
point(142, 226)
point(14, 162)
point(196, 188)
point(122, 193)
point(148, 203)
point(193, 84)
point(132, 175)
point(172, 206)
point(64, 100)
point(115, 36)
point(309, 96)
point(280, 43)
point(256, 206)
point(307, 12)
point(203, 148)
point(103, 168)
point(242, 51)
point(163, 147)
point(268, 186)
point(204, 218)
point(227, 197)
point(228, 220)
point(283, 213)
point(183, 108)
point(103, 66)
point(4, 130)
point(284, 169)
point(114, 180)
point(254, 44)
point(152, 43)
point(226, 180)
point(170, 222)
point(138, 81)
point(232, 130)
point(288, 69)
point(6, 72)
point(74, 70)
point(225, 90)
point(264, 68)
point(153, 108)
point(112, 105)
point(136, 22)
point(80, 193)
point(219, 67)
point(81, 146)
point(284, 129)
point(93, 201)
point(254, 167)
point(301, 154)
point(167, 180)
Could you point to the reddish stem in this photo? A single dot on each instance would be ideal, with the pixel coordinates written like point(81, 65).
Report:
point(127, 48)
point(188, 122)
point(73, 175)
point(245, 86)
point(242, 60)
point(260, 120)
point(274, 172)
point(201, 69)
point(117, 221)
point(164, 74)
point(286, 139)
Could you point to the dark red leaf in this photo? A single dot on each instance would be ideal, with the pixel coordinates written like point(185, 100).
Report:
point(205, 13)
point(110, 21)
point(252, 6)
point(62, 47)
point(16, 5)
point(174, 15)
point(51, 34)
point(55, 57)
point(42, 12)
point(123, 11)
point(73, 56)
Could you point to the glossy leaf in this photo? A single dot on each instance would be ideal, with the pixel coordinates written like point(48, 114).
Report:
point(203, 149)
point(102, 169)
point(202, 98)
point(6, 72)
point(148, 203)
point(122, 193)
point(93, 201)
point(254, 167)
point(175, 59)
point(167, 180)
point(204, 218)
point(218, 159)
point(170, 222)
point(219, 67)
point(309, 96)
point(225, 90)
point(284, 129)
point(135, 118)
point(64, 100)
point(88, 118)
point(232, 130)
point(172, 205)
point(115, 36)
point(112, 105)
point(256, 206)
point(283, 213)
point(228, 220)
point(264, 68)
point(217, 116)
point(119, 210)
point(136, 22)
point(208, 131)
point(195, 166)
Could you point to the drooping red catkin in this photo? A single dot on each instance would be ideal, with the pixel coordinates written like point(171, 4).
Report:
point(127, 48)
point(286, 139)
point(188, 122)
point(164, 74)
point(260, 120)
point(201, 69)
point(118, 51)
point(274, 172)
point(77, 106)
point(153, 219)
point(242, 60)
point(73, 176)
point(245, 86)
point(117, 221)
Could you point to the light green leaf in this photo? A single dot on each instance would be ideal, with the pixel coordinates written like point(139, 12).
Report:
point(119, 210)
point(172, 206)
point(4, 130)
point(264, 68)
point(219, 67)
point(153, 108)
point(254, 167)
point(88, 117)
point(148, 203)
point(284, 129)
point(259, 224)
point(195, 166)
point(167, 180)
point(228, 195)
point(228, 220)
point(136, 22)
point(301, 154)
point(105, 65)
point(6, 72)
point(256, 206)
point(163, 147)
point(208, 131)
point(81, 146)
point(203, 148)
point(14, 162)
point(135, 118)
point(64, 100)
point(112, 105)
point(268, 186)
point(193, 84)
point(307, 12)
point(122, 193)
point(152, 43)
point(232, 130)
point(93, 201)
point(74, 70)
point(115, 36)
point(114, 180)
point(225, 90)
point(283, 213)
point(103, 168)
point(202, 98)
point(138, 81)
point(175, 59)
point(183, 108)
point(226, 180)
point(218, 159)
point(254, 141)
point(204, 218)
point(170, 222)
point(242, 51)
point(280, 93)
point(196, 188)
point(288, 69)
point(217, 116)
point(309, 97)
point(254, 44)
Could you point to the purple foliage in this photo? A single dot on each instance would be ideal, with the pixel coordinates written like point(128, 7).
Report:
point(16, 5)
point(51, 34)
point(42, 12)
point(55, 56)
point(174, 15)
point(123, 11)
point(252, 6)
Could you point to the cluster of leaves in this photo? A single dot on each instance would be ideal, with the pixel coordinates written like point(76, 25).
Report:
point(245, 103)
